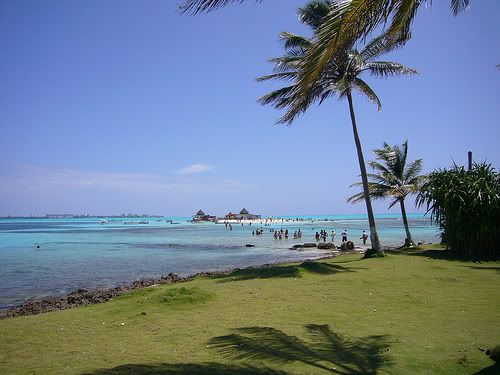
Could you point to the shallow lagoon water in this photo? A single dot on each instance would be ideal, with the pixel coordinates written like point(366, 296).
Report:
point(81, 253)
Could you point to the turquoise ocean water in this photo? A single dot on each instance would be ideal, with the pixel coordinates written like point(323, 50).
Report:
point(82, 253)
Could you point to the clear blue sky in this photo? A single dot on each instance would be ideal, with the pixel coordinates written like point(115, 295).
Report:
point(126, 106)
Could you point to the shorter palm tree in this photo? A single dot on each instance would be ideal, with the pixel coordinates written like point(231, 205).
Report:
point(394, 179)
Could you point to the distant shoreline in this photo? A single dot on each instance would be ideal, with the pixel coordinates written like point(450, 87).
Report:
point(186, 217)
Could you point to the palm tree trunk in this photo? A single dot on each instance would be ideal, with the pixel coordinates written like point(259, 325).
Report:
point(371, 219)
point(409, 240)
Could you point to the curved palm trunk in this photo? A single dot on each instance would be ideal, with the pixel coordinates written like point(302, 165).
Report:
point(371, 220)
point(409, 240)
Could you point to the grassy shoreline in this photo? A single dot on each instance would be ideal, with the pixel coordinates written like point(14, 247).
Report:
point(408, 314)
point(83, 297)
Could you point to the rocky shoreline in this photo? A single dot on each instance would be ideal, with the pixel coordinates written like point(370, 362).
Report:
point(81, 297)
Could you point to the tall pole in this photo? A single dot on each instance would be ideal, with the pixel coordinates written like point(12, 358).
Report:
point(470, 160)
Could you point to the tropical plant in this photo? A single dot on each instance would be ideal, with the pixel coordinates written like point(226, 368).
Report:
point(466, 206)
point(394, 179)
point(341, 78)
point(345, 23)
point(361, 17)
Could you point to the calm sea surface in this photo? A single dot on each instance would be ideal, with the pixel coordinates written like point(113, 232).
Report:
point(81, 253)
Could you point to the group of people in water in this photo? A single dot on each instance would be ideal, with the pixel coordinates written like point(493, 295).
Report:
point(321, 235)
point(284, 233)
point(278, 234)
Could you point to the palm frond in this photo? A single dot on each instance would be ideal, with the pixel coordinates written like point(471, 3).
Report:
point(204, 6)
point(378, 46)
point(280, 76)
point(314, 12)
point(338, 29)
point(458, 6)
point(404, 155)
point(356, 198)
point(385, 154)
point(363, 87)
point(384, 69)
point(278, 98)
point(292, 40)
point(376, 191)
point(296, 107)
point(344, 24)
point(286, 63)
point(393, 203)
point(379, 166)
point(328, 93)
point(413, 170)
point(403, 14)
point(340, 77)
point(382, 178)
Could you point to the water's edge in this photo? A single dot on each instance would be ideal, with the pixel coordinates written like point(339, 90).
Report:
point(49, 258)
point(82, 297)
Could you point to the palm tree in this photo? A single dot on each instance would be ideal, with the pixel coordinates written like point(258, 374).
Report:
point(341, 78)
point(346, 22)
point(394, 179)
point(362, 16)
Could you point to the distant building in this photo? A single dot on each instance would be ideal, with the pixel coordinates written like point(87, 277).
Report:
point(59, 216)
point(200, 216)
point(243, 215)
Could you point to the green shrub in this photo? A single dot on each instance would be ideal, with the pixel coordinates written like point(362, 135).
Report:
point(466, 206)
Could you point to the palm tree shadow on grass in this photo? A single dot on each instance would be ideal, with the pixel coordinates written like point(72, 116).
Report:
point(324, 350)
point(209, 368)
point(494, 369)
point(279, 271)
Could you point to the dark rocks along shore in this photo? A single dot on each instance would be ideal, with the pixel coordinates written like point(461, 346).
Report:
point(82, 297)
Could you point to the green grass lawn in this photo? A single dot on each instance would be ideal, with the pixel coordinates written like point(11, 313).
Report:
point(403, 314)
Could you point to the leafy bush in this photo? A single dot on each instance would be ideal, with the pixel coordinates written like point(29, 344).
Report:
point(466, 206)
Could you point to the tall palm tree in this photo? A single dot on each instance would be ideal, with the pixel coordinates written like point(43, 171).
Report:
point(341, 78)
point(362, 16)
point(394, 179)
point(347, 22)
